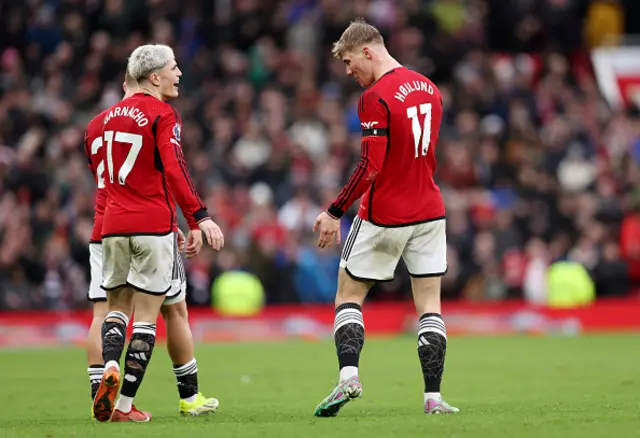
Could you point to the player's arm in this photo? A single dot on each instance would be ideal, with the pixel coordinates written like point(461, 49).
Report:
point(87, 153)
point(374, 115)
point(177, 173)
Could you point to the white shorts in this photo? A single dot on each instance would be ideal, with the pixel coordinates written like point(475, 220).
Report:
point(371, 252)
point(178, 283)
point(96, 293)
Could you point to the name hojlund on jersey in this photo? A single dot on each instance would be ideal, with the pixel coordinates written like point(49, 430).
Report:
point(125, 111)
point(409, 87)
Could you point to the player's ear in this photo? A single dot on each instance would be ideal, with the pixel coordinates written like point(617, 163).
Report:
point(154, 78)
point(366, 51)
point(124, 87)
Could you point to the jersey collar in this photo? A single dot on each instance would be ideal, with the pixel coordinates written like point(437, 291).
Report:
point(384, 74)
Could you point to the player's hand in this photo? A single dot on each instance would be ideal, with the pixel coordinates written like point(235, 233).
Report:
point(181, 240)
point(194, 243)
point(212, 233)
point(329, 230)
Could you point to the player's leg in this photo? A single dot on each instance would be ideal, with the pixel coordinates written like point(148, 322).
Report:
point(116, 257)
point(425, 256)
point(98, 297)
point(94, 346)
point(432, 341)
point(185, 367)
point(113, 336)
point(180, 348)
point(348, 335)
point(348, 324)
point(370, 254)
point(138, 356)
point(150, 275)
point(180, 344)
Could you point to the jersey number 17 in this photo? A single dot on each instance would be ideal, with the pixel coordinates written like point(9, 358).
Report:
point(421, 134)
point(135, 140)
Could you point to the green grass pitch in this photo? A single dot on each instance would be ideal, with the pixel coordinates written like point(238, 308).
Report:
point(505, 387)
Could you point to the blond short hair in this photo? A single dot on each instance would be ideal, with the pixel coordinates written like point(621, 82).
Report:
point(357, 34)
point(147, 59)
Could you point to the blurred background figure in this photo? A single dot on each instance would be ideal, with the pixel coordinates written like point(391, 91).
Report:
point(539, 157)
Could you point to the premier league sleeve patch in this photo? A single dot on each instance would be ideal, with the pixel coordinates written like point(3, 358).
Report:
point(177, 131)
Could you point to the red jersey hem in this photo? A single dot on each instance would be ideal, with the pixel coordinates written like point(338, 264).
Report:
point(403, 224)
point(137, 233)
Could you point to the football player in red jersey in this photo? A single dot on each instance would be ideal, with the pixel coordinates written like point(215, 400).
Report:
point(144, 171)
point(174, 308)
point(401, 213)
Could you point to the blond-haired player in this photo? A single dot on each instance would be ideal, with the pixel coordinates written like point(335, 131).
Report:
point(401, 212)
point(173, 310)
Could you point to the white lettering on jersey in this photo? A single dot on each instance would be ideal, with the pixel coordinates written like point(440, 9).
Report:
point(409, 87)
point(368, 125)
point(126, 111)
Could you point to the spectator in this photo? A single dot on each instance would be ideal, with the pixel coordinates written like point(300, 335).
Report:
point(533, 166)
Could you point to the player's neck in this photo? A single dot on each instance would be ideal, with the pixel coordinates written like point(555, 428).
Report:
point(150, 90)
point(385, 65)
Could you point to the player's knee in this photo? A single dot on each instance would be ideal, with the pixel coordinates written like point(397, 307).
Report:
point(121, 300)
point(351, 290)
point(175, 311)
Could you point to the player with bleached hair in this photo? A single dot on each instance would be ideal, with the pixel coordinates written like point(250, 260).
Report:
point(401, 213)
point(145, 170)
point(151, 58)
point(174, 308)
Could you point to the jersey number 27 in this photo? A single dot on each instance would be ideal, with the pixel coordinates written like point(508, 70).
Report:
point(421, 134)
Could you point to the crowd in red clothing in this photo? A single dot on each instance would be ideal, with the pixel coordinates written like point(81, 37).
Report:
point(534, 166)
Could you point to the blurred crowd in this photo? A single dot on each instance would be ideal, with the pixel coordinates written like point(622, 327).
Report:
point(534, 166)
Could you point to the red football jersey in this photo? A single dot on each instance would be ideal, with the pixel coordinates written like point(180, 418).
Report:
point(92, 145)
point(400, 115)
point(144, 166)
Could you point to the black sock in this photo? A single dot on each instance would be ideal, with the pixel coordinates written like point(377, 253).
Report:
point(95, 375)
point(432, 348)
point(138, 357)
point(348, 333)
point(187, 376)
point(114, 333)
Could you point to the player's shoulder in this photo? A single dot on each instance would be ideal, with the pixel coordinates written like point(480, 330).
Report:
point(403, 86)
point(370, 97)
point(149, 104)
point(404, 73)
point(145, 103)
point(165, 113)
point(144, 110)
point(98, 121)
point(159, 106)
point(390, 83)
